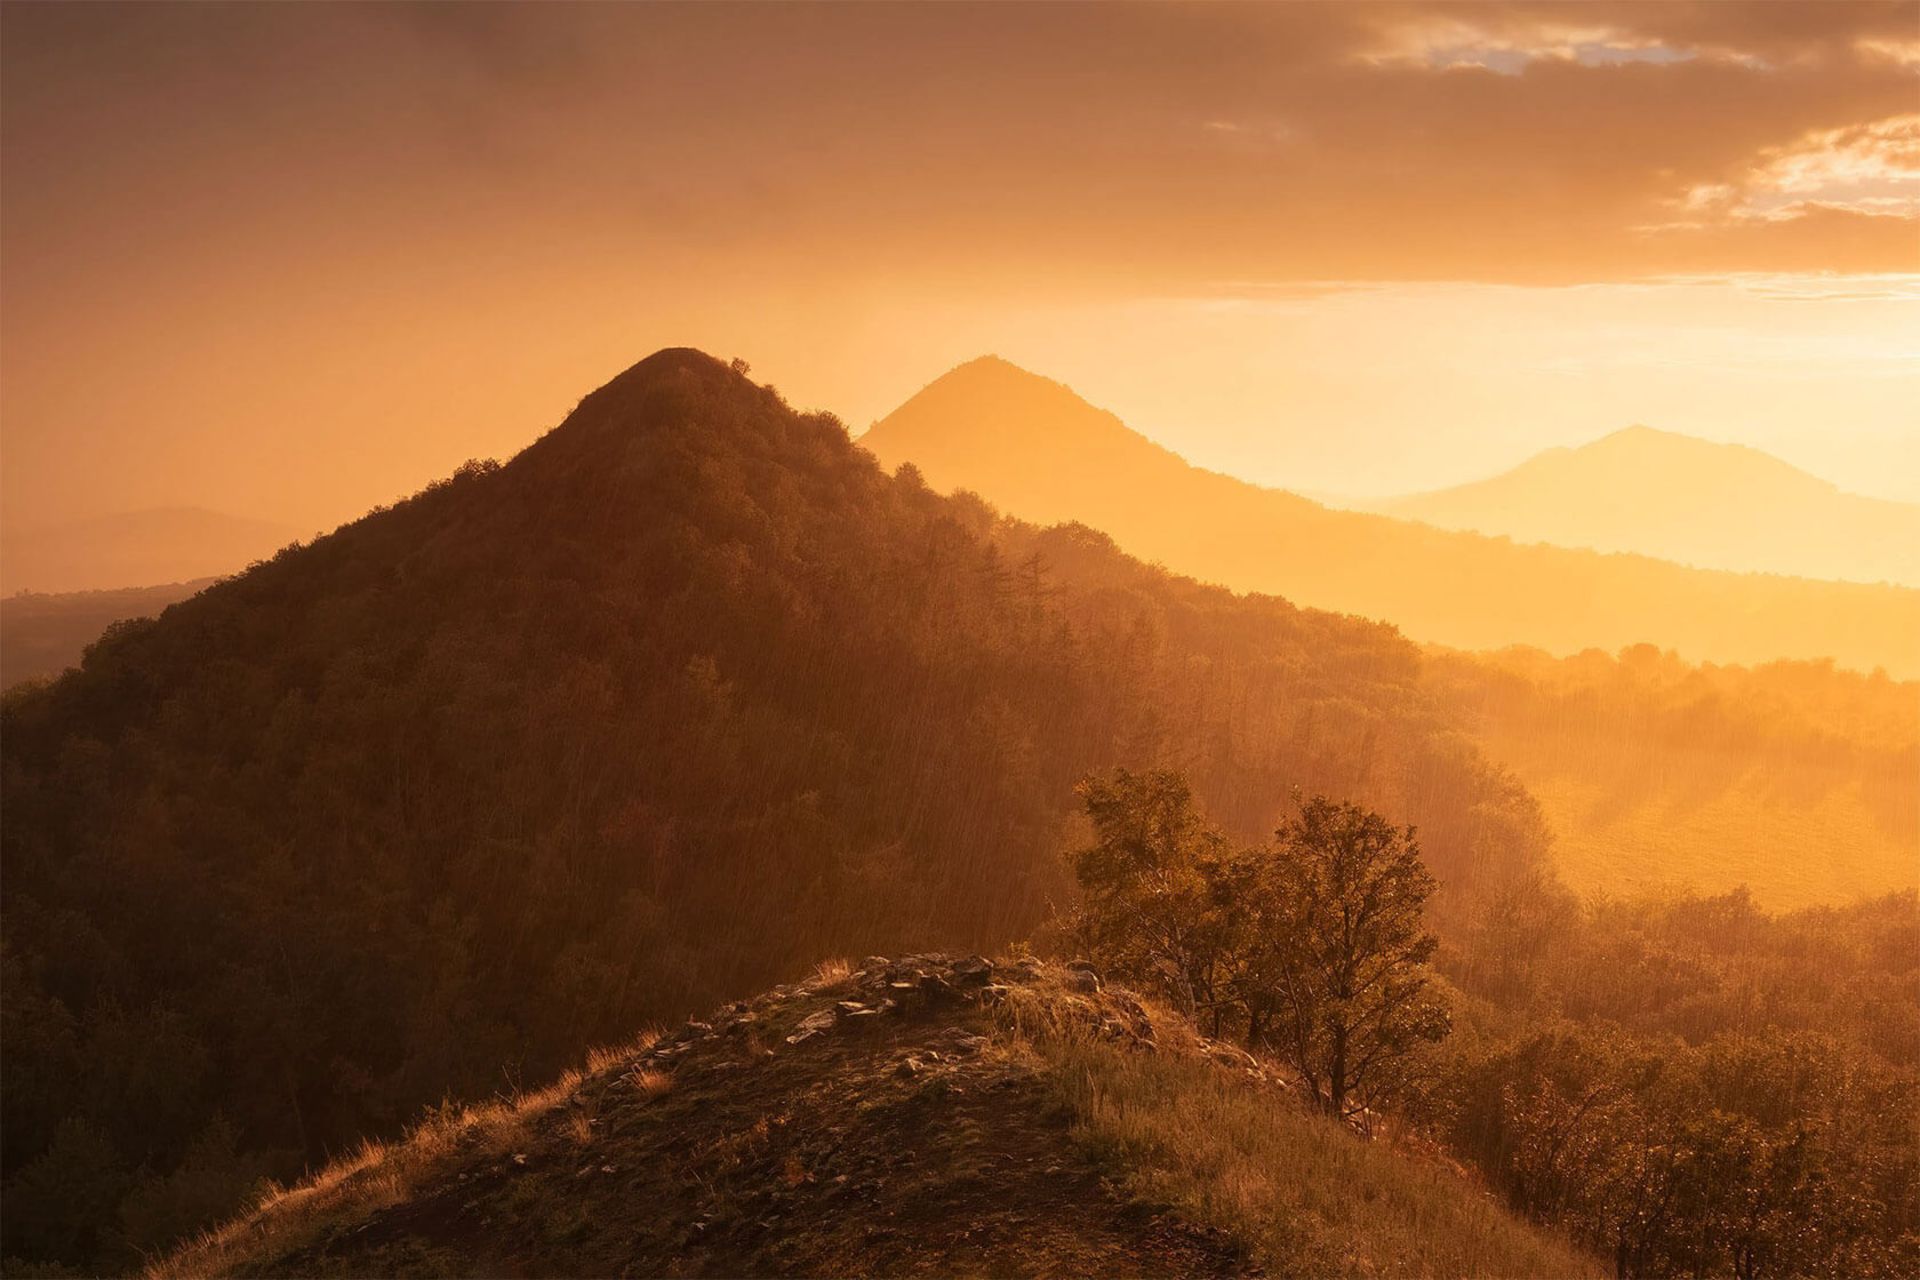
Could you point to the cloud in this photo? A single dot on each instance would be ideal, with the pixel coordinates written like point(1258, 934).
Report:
point(1444, 41)
point(1139, 147)
point(1868, 168)
point(1902, 53)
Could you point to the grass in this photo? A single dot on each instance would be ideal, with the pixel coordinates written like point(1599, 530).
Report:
point(1307, 1195)
point(828, 972)
point(379, 1174)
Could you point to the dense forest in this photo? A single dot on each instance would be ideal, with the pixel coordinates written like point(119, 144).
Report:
point(683, 698)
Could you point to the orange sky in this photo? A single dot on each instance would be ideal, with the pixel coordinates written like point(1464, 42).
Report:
point(288, 261)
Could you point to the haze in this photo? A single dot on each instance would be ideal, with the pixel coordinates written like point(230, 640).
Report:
point(967, 639)
point(282, 263)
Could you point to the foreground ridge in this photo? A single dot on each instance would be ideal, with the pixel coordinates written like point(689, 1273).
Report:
point(927, 1114)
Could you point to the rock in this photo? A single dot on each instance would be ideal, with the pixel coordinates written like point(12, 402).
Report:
point(909, 1067)
point(961, 1042)
point(814, 1024)
point(935, 986)
point(1232, 1055)
point(1082, 980)
point(973, 971)
point(874, 963)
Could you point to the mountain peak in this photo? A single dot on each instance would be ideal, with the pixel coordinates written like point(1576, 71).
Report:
point(1707, 503)
point(1641, 433)
point(672, 387)
point(990, 399)
point(670, 365)
point(996, 375)
point(1647, 441)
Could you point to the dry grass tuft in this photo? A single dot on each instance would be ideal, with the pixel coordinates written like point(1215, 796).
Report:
point(609, 1056)
point(651, 1083)
point(828, 972)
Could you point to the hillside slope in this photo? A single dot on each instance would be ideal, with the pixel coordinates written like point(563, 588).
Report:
point(928, 1115)
point(42, 635)
point(1718, 506)
point(1039, 451)
point(685, 695)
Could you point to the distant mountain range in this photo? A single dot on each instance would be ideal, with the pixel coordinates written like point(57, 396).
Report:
point(1717, 506)
point(1040, 452)
point(134, 549)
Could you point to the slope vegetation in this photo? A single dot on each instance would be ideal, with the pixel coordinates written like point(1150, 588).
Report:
point(1718, 506)
point(928, 1115)
point(1042, 453)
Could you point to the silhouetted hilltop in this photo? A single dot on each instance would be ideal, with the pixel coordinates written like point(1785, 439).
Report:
point(1719, 506)
point(684, 696)
point(929, 1115)
point(1033, 447)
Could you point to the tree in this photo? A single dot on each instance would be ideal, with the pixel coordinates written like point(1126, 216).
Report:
point(1147, 883)
point(1341, 948)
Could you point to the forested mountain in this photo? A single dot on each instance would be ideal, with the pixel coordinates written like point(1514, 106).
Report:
point(1040, 452)
point(42, 635)
point(684, 696)
point(1718, 506)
